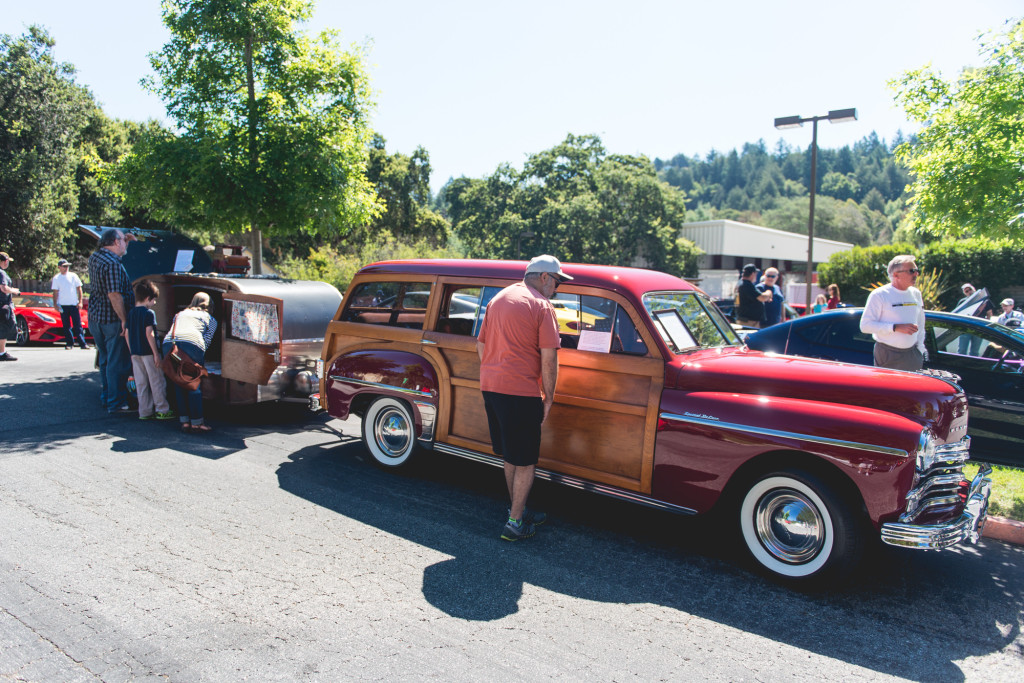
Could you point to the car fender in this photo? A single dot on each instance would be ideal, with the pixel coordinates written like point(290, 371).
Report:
point(871, 449)
point(353, 378)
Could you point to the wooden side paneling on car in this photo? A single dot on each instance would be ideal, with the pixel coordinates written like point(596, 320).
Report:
point(605, 418)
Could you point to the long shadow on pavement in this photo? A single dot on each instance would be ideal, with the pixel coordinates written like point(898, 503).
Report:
point(595, 548)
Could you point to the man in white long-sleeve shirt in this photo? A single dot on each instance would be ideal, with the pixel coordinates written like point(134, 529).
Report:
point(894, 316)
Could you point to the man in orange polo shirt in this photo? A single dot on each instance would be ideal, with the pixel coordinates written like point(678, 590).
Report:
point(518, 347)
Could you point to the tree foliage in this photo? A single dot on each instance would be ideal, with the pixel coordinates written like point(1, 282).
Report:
point(402, 184)
point(968, 160)
point(337, 266)
point(577, 202)
point(993, 264)
point(756, 186)
point(271, 130)
point(105, 141)
point(42, 112)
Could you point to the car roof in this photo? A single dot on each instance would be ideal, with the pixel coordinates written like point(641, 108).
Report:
point(635, 281)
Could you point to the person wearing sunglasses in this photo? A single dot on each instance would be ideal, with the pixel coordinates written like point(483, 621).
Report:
point(773, 306)
point(518, 347)
point(894, 317)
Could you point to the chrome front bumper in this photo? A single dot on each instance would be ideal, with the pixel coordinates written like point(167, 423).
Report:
point(937, 536)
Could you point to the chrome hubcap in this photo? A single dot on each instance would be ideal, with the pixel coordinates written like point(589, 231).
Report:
point(392, 432)
point(789, 526)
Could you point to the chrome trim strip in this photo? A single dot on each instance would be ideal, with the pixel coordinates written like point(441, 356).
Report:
point(428, 414)
point(937, 536)
point(428, 341)
point(310, 340)
point(569, 480)
point(778, 434)
point(379, 385)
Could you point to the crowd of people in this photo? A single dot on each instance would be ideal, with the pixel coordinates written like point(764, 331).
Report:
point(760, 301)
point(123, 328)
point(894, 314)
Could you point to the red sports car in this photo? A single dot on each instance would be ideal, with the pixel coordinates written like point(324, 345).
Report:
point(39, 322)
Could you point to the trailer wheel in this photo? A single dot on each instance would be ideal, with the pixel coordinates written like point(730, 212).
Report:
point(389, 432)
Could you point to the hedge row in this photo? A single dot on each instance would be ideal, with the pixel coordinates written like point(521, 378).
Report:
point(995, 264)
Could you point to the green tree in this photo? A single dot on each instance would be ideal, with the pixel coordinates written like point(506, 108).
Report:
point(968, 159)
point(577, 202)
point(271, 132)
point(833, 219)
point(42, 112)
point(105, 141)
point(402, 184)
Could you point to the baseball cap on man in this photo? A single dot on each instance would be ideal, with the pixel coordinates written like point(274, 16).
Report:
point(967, 286)
point(748, 269)
point(1006, 302)
point(546, 264)
point(63, 262)
point(4, 256)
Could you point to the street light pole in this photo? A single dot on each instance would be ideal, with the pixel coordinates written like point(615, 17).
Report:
point(835, 116)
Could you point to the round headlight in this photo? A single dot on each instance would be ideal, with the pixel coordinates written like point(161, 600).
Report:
point(305, 382)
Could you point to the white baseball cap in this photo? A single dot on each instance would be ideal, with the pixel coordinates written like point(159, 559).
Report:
point(546, 264)
point(1006, 302)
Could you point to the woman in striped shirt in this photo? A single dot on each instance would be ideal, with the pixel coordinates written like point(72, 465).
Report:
point(192, 330)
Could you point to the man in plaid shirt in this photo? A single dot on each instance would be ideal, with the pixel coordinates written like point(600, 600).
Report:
point(110, 299)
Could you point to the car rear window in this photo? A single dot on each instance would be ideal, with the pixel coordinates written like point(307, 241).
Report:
point(396, 304)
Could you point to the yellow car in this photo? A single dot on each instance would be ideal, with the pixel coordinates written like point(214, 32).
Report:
point(570, 316)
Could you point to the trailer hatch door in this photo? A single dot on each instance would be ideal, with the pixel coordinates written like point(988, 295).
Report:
point(251, 340)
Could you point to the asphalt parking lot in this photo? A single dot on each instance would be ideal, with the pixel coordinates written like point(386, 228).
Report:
point(272, 549)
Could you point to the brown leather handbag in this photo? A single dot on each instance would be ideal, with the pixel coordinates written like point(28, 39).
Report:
point(181, 369)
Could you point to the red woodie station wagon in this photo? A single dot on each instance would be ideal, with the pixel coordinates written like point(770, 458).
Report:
point(659, 402)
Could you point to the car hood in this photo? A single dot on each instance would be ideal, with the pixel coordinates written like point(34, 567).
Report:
point(742, 371)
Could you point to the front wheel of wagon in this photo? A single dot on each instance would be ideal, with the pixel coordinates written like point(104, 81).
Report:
point(798, 527)
point(389, 432)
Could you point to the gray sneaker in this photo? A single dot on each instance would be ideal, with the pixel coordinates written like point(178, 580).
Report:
point(531, 516)
point(514, 532)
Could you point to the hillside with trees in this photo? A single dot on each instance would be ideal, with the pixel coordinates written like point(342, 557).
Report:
point(861, 190)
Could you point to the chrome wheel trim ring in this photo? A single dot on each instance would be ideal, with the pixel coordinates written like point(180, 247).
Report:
point(392, 432)
point(789, 526)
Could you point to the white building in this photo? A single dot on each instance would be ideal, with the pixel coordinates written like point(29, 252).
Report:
point(729, 245)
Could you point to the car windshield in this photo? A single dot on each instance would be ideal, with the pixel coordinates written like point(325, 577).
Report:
point(34, 300)
point(688, 320)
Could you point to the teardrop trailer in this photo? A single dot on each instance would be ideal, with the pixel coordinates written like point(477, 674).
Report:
point(270, 329)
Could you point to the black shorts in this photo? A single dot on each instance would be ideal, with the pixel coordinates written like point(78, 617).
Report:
point(514, 422)
point(8, 324)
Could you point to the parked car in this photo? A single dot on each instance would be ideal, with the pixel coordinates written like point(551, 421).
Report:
point(987, 357)
point(38, 321)
point(661, 404)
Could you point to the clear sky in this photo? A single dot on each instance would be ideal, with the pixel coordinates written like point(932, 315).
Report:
point(480, 83)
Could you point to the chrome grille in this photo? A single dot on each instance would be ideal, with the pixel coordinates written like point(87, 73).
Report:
point(938, 485)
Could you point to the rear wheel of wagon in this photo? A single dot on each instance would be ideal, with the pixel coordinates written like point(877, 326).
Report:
point(389, 432)
point(797, 526)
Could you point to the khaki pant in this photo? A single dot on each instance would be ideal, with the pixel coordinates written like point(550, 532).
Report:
point(898, 359)
point(150, 385)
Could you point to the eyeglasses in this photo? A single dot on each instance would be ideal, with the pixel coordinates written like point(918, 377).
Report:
point(770, 276)
point(912, 271)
